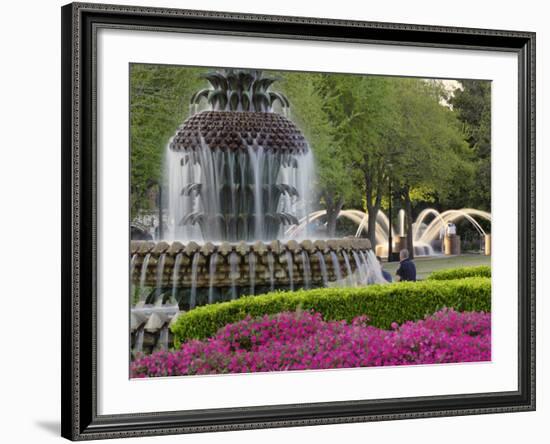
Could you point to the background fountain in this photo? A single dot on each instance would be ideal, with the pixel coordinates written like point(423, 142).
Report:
point(239, 180)
point(425, 235)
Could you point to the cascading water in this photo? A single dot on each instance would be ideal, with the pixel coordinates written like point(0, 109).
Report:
point(138, 344)
point(212, 277)
point(349, 276)
point(255, 208)
point(252, 272)
point(361, 278)
point(256, 155)
point(163, 338)
point(367, 272)
point(143, 275)
point(374, 268)
point(132, 270)
point(323, 267)
point(194, 275)
point(271, 270)
point(160, 272)
point(307, 269)
point(234, 272)
point(290, 267)
point(336, 266)
point(175, 277)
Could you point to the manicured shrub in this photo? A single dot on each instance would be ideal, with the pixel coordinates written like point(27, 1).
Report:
point(382, 304)
point(461, 272)
point(303, 340)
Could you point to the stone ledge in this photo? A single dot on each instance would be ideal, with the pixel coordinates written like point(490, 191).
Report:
point(243, 248)
point(237, 264)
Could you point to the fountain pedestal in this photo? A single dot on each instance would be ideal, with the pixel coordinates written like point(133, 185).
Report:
point(451, 244)
point(487, 245)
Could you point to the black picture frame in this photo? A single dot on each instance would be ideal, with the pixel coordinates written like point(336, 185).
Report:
point(79, 386)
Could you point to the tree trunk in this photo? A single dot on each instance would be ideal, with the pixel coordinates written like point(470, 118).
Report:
point(409, 221)
point(373, 214)
point(373, 206)
point(333, 211)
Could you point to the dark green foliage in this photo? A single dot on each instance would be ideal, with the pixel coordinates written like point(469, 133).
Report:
point(383, 304)
point(460, 273)
point(472, 106)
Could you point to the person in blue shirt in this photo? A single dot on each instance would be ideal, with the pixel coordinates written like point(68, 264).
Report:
point(406, 270)
point(385, 274)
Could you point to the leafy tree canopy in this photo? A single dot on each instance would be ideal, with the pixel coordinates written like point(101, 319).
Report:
point(159, 102)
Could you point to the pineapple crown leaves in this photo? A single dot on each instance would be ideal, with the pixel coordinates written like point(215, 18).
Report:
point(240, 90)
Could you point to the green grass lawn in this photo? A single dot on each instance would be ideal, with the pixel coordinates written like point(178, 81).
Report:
point(425, 265)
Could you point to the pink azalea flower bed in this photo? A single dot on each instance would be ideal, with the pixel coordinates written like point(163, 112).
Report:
point(303, 340)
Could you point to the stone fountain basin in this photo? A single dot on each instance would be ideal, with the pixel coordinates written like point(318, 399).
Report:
point(238, 263)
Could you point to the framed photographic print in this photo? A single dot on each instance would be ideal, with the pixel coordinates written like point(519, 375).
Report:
point(277, 221)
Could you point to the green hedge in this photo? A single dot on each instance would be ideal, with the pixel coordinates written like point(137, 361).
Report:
point(383, 304)
point(461, 272)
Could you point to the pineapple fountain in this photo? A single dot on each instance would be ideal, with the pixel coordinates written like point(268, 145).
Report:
point(240, 175)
